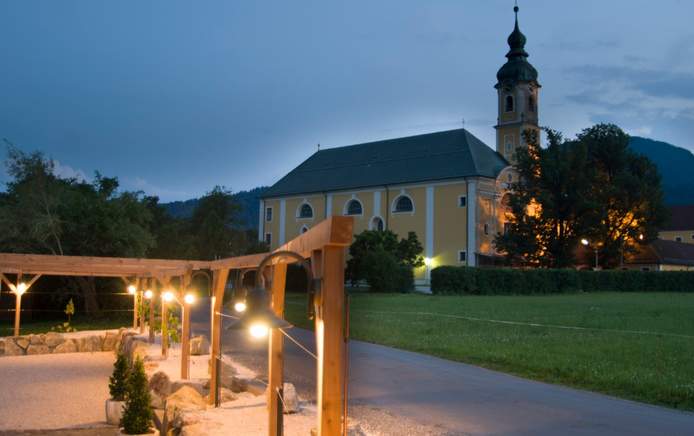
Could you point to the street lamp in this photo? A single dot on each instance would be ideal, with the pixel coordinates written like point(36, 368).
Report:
point(596, 248)
point(19, 290)
point(149, 294)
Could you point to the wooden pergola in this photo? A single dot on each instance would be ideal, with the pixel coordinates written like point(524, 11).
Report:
point(324, 245)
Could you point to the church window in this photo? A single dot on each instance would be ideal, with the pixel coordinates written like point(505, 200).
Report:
point(377, 224)
point(353, 207)
point(486, 228)
point(462, 256)
point(268, 214)
point(462, 201)
point(268, 238)
point(304, 229)
point(678, 238)
point(531, 103)
point(403, 204)
point(305, 211)
point(508, 143)
point(509, 103)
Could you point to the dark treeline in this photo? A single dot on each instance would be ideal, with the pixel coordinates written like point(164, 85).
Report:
point(43, 213)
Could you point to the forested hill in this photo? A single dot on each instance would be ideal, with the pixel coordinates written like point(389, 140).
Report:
point(676, 167)
point(248, 200)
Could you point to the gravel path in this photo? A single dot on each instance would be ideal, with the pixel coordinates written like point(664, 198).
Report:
point(54, 391)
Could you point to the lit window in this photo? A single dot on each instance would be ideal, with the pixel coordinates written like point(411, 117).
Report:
point(306, 211)
point(462, 201)
point(509, 103)
point(268, 214)
point(403, 204)
point(354, 207)
point(462, 256)
point(377, 224)
point(268, 238)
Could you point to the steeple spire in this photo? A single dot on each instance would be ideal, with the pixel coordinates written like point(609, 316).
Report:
point(517, 68)
point(516, 40)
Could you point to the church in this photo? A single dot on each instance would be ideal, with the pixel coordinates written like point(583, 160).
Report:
point(448, 187)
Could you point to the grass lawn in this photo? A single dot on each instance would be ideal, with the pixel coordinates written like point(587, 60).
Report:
point(80, 323)
point(632, 345)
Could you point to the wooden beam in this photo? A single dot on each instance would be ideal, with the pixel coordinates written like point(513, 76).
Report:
point(164, 319)
point(152, 286)
point(276, 355)
point(330, 343)
point(219, 282)
point(185, 328)
point(8, 282)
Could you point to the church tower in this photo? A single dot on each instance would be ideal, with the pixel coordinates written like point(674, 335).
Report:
point(518, 92)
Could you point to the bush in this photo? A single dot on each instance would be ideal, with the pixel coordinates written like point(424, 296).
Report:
point(117, 384)
point(384, 273)
point(137, 414)
point(496, 281)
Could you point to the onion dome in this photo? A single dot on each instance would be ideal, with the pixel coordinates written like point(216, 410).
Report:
point(517, 68)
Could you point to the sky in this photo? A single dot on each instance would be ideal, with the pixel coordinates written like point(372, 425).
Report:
point(174, 97)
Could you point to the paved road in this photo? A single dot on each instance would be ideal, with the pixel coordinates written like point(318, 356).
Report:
point(54, 390)
point(464, 399)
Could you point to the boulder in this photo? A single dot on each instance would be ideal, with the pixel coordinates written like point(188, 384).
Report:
point(185, 398)
point(12, 349)
point(54, 339)
point(160, 384)
point(256, 387)
point(67, 346)
point(36, 339)
point(38, 349)
point(237, 384)
point(225, 395)
point(291, 399)
point(157, 401)
point(199, 345)
point(89, 344)
point(22, 342)
point(2, 347)
point(109, 343)
point(197, 385)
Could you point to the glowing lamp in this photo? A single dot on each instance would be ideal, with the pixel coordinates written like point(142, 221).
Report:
point(641, 237)
point(240, 306)
point(428, 261)
point(258, 318)
point(168, 296)
point(258, 330)
point(189, 299)
point(585, 242)
point(132, 289)
point(21, 288)
point(149, 294)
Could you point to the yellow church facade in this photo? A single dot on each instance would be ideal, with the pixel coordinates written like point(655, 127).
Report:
point(448, 187)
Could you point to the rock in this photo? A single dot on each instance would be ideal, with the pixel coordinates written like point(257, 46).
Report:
point(157, 401)
point(256, 387)
point(184, 400)
point(197, 385)
point(38, 349)
point(12, 349)
point(160, 384)
point(291, 399)
point(225, 395)
point(89, 344)
point(199, 345)
point(35, 340)
point(54, 339)
point(68, 346)
point(22, 342)
point(2, 347)
point(109, 343)
point(227, 373)
point(237, 384)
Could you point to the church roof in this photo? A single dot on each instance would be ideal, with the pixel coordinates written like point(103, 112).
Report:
point(661, 251)
point(517, 68)
point(435, 156)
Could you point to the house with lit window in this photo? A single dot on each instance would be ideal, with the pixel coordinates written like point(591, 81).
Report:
point(448, 187)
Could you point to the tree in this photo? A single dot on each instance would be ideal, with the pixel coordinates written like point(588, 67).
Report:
point(137, 414)
point(548, 204)
point(626, 188)
point(117, 383)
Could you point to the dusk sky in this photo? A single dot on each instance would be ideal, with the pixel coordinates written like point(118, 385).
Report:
point(174, 97)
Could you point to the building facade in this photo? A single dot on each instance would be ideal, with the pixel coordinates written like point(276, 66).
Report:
point(447, 187)
point(680, 227)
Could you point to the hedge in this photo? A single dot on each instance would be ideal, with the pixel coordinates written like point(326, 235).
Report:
point(498, 281)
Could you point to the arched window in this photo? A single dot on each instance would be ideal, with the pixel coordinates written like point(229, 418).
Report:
point(531, 103)
point(304, 229)
point(403, 204)
point(377, 224)
point(353, 207)
point(509, 103)
point(305, 211)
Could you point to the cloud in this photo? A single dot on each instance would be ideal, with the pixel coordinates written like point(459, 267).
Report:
point(140, 184)
point(67, 172)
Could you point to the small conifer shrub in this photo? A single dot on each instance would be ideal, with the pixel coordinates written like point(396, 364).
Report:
point(138, 414)
point(117, 383)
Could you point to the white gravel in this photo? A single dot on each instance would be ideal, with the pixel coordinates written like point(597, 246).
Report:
point(54, 390)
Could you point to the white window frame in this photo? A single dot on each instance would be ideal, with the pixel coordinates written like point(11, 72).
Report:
point(464, 253)
point(305, 228)
point(272, 213)
point(395, 202)
point(345, 208)
point(371, 222)
point(464, 198)
point(298, 211)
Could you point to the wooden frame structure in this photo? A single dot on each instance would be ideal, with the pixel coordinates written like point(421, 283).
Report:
point(324, 245)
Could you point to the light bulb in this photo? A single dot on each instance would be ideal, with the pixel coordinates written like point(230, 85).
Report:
point(240, 306)
point(259, 331)
point(21, 288)
point(168, 296)
point(149, 294)
point(132, 289)
point(189, 299)
point(584, 241)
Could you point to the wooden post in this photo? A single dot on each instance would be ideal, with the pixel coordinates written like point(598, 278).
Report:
point(17, 311)
point(164, 320)
point(185, 329)
point(330, 342)
point(275, 355)
point(141, 307)
point(219, 283)
point(137, 287)
point(153, 285)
